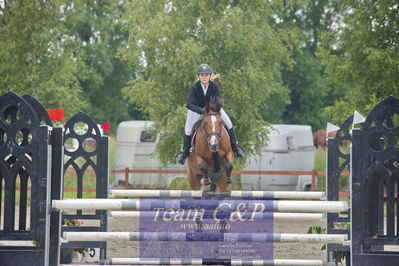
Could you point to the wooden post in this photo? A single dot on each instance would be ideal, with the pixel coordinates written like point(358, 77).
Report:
point(126, 179)
point(314, 175)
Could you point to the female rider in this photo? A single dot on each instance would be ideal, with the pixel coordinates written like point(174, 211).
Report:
point(200, 94)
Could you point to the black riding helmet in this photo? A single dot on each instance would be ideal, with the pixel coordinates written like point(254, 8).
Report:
point(204, 69)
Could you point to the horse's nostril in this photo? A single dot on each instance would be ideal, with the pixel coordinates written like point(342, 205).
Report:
point(214, 147)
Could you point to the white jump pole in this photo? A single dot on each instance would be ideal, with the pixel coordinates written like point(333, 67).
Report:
point(231, 194)
point(188, 261)
point(279, 216)
point(227, 237)
point(135, 204)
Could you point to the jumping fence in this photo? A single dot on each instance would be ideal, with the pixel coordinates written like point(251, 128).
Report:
point(33, 152)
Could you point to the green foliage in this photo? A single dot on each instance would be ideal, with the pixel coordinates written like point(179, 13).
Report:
point(35, 54)
point(342, 225)
point(362, 56)
point(169, 39)
point(318, 230)
point(309, 90)
point(65, 54)
point(97, 31)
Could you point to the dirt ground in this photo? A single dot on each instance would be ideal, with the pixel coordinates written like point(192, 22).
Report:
point(121, 249)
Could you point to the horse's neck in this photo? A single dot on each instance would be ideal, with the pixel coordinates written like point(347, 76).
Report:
point(225, 141)
point(201, 145)
point(199, 137)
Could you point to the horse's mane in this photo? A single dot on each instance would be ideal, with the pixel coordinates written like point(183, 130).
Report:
point(214, 105)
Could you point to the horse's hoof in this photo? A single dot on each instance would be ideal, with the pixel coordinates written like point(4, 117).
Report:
point(206, 181)
point(206, 187)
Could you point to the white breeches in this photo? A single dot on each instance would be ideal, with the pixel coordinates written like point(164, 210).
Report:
point(193, 117)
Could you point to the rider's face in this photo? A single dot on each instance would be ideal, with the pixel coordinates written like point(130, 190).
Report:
point(204, 78)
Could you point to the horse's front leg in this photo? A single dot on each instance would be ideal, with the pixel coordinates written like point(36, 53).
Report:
point(229, 167)
point(203, 166)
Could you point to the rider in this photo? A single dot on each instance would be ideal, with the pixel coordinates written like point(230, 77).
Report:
point(200, 94)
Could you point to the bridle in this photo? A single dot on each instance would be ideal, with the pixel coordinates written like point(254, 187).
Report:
point(212, 133)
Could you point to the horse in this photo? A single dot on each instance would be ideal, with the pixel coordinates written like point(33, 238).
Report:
point(320, 138)
point(212, 157)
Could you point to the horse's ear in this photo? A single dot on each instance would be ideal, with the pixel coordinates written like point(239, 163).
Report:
point(213, 100)
point(219, 103)
point(211, 104)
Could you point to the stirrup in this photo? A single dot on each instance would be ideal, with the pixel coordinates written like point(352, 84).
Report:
point(238, 152)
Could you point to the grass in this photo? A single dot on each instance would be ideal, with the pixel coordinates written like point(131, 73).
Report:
point(89, 179)
point(321, 165)
point(111, 160)
point(70, 180)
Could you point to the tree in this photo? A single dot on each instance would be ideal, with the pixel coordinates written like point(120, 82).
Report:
point(310, 91)
point(35, 57)
point(96, 27)
point(362, 56)
point(169, 39)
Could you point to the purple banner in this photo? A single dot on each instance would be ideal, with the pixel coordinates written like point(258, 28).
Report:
point(203, 228)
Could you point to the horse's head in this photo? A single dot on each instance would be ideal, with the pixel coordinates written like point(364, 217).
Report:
point(212, 123)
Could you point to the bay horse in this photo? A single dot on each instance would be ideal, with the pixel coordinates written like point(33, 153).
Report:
point(320, 138)
point(212, 157)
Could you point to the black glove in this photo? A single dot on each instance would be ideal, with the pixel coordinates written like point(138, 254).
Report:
point(196, 109)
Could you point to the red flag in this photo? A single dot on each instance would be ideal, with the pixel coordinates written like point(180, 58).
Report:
point(56, 114)
point(106, 126)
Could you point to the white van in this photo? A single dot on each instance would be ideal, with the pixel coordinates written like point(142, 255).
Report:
point(290, 148)
point(135, 145)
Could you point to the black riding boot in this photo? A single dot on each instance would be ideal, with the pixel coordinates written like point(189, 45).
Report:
point(183, 154)
point(238, 152)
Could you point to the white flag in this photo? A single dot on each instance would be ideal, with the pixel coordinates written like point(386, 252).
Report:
point(331, 128)
point(358, 118)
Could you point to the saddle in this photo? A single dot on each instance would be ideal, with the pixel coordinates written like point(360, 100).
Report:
point(194, 131)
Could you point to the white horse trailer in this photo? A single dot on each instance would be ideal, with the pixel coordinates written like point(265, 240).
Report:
point(290, 148)
point(135, 145)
